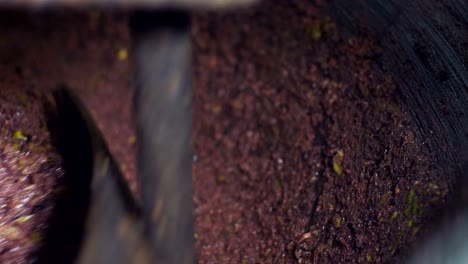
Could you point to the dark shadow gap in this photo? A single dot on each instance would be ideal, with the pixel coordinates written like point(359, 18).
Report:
point(66, 226)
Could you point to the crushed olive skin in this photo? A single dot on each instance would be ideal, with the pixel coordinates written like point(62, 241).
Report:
point(30, 172)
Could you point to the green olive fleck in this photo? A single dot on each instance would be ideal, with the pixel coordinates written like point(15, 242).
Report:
point(23, 219)
point(394, 216)
point(338, 162)
point(315, 31)
point(19, 135)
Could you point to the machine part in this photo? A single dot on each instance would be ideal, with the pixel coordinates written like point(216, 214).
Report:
point(447, 245)
point(112, 231)
point(97, 219)
point(111, 226)
point(162, 49)
point(424, 47)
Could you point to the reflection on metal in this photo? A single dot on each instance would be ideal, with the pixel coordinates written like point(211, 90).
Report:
point(163, 117)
